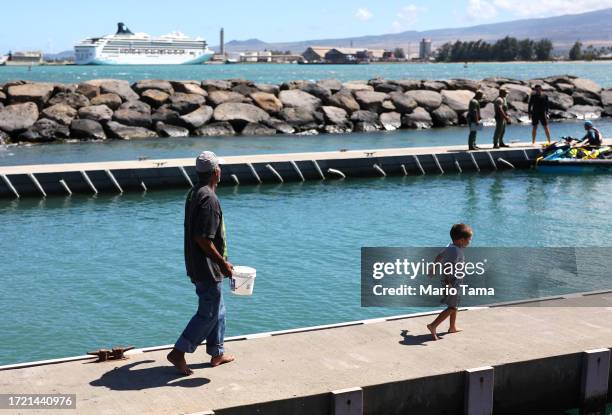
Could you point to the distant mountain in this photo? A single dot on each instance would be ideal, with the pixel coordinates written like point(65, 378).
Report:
point(590, 28)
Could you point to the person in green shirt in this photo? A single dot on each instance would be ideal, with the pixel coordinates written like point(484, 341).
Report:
point(473, 119)
point(501, 119)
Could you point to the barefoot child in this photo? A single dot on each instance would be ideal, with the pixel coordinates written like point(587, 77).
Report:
point(461, 235)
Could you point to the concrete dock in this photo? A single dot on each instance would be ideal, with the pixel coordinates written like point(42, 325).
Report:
point(139, 175)
point(527, 360)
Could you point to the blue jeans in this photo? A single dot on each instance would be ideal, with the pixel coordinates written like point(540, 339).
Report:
point(208, 323)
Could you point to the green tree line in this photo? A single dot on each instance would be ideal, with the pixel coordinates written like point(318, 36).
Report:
point(577, 52)
point(504, 50)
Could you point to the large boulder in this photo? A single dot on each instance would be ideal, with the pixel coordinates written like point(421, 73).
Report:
point(96, 113)
point(169, 130)
point(465, 84)
point(407, 84)
point(586, 85)
point(45, 130)
point(87, 129)
point(280, 126)
point(257, 129)
point(124, 132)
point(391, 120)
point(444, 116)
point(166, 115)
point(60, 113)
point(268, 102)
point(36, 93)
point(115, 86)
point(386, 87)
point(268, 88)
point(559, 100)
point(189, 87)
point(436, 86)
point(606, 97)
point(335, 116)
point(487, 113)
point(458, 100)
point(90, 91)
point(586, 98)
point(519, 106)
point(216, 129)
point(18, 117)
point(298, 116)
point(517, 92)
point(426, 99)
point(216, 85)
point(295, 98)
point(72, 99)
point(586, 111)
point(295, 84)
point(157, 84)
point(489, 94)
point(419, 118)
point(112, 101)
point(154, 97)
point(239, 114)
point(333, 85)
point(357, 86)
point(344, 99)
point(220, 97)
point(197, 118)
point(137, 106)
point(244, 89)
point(132, 117)
point(365, 116)
point(184, 103)
point(565, 88)
point(317, 90)
point(2, 96)
point(403, 103)
point(370, 100)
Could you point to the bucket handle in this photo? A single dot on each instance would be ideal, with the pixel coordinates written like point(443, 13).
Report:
point(241, 285)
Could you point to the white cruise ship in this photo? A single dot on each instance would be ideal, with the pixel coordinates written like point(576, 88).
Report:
point(127, 48)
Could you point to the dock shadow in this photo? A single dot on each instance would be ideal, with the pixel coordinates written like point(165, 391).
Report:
point(126, 378)
point(417, 339)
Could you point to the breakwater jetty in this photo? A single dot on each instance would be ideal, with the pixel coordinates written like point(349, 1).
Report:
point(139, 175)
point(114, 109)
point(508, 360)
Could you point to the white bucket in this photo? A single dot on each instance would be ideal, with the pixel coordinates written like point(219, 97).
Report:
point(243, 280)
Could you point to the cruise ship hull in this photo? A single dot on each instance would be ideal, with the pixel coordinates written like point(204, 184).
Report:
point(146, 60)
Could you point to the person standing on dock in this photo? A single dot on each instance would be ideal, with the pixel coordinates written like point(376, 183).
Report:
point(538, 113)
point(461, 236)
point(501, 119)
point(206, 264)
point(473, 119)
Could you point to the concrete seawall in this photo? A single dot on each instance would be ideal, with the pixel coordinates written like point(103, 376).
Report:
point(550, 356)
point(120, 176)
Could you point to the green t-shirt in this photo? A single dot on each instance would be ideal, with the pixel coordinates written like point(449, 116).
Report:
point(473, 111)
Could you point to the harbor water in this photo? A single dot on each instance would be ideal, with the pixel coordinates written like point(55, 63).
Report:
point(157, 148)
point(599, 72)
point(81, 273)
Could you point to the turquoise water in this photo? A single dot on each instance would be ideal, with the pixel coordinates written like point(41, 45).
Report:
point(228, 146)
point(275, 73)
point(86, 272)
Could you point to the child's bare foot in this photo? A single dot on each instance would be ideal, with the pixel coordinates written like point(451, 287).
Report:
point(432, 330)
point(177, 358)
point(455, 330)
point(221, 359)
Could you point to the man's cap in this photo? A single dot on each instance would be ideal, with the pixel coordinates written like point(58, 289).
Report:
point(588, 123)
point(479, 93)
point(207, 161)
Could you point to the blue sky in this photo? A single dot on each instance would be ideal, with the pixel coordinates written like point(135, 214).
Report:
point(55, 25)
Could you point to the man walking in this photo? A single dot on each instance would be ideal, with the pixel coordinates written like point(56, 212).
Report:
point(473, 119)
point(538, 113)
point(206, 264)
point(501, 119)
